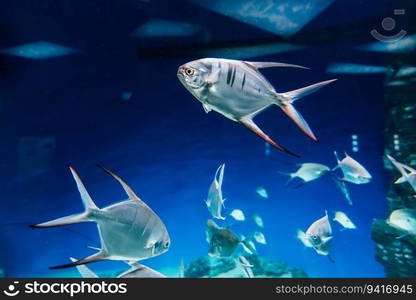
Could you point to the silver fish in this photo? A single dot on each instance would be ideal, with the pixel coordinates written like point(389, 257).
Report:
point(258, 220)
point(344, 220)
point(238, 215)
point(215, 201)
point(128, 230)
point(319, 235)
point(247, 267)
point(237, 90)
point(404, 219)
point(248, 245)
point(308, 172)
point(262, 192)
point(259, 237)
point(408, 173)
point(353, 171)
point(222, 241)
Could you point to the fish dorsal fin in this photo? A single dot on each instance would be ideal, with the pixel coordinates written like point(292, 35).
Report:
point(207, 109)
point(261, 65)
point(132, 195)
point(85, 196)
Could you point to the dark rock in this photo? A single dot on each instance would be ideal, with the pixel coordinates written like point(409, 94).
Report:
point(395, 251)
point(397, 254)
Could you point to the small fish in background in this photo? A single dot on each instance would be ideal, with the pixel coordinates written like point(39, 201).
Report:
point(238, 215)
point(308, 172)
point(237, 90)
point(344, 190)
point(222, 241)
point(404, 219)
point(248, 245)
point(259, 237)
point(215, 201)
point(261, 191)
point(353, 171)
point(181, 273)
point(319, 235)
point(247, 267)
point(258, 220)
point(344, 220)
point(408, 173)
point(126, 96)
point(128, 230)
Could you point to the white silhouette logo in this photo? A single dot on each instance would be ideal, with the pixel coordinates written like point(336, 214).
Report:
point(389, 24)
point(11, 290)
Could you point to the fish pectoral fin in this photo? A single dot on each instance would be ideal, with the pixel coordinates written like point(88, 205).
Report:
point(207, 109)
point(296, 117)
point(261, 65)
point(249, 123)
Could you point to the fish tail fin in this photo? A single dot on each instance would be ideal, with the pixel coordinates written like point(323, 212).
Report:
point(249, 124)
point(296, 117)
point(294, 95)
point(285, 100)
point(89, 207)
point(84, 270)
point(89, 259)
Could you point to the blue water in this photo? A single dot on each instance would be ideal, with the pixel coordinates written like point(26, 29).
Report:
point(163, 144)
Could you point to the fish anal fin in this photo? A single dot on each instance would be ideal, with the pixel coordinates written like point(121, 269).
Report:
point(92, 258)
point(249, 123)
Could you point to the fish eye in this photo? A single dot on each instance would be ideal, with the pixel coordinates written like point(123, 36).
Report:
point(189, 71)
point(166, 244)
point(314, 237)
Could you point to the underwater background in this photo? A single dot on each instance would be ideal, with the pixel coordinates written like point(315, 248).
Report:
point(95, 82)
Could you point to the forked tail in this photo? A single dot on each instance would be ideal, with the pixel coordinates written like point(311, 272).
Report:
point(285, 102)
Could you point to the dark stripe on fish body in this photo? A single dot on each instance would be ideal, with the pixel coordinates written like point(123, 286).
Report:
point(244, 81)
point(229, 74)
point(233, 77)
